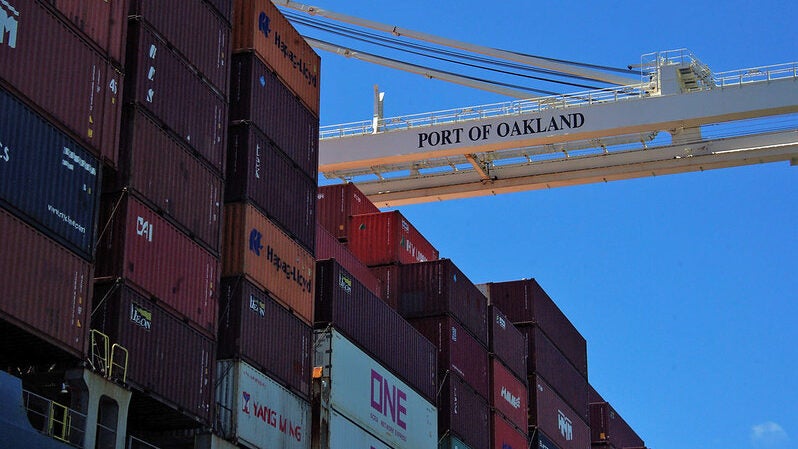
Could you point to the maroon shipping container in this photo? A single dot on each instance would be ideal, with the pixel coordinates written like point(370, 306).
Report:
point(48, 63)
point(387, 237)
point(164, 85)
point(347, 305)
point(336, 202)
point(194, 30)
point(142, 247)
point(46, 288)
point(388, 275)
point(167, 358)
point(509, 395)
point(506, 435)
point(507, 343)
point(258, 96)
point(223, 7)
point(550, 414)
point(260, 173)
point(102, 21)
point(607, 426)
point(593, 395)
point(549, 362)
point(171, 177)
point(525, 301)
point(438, 287)
point(255, 328)
point(458, 351)
point(328, 247)
point(539, 440)
point(464, 413)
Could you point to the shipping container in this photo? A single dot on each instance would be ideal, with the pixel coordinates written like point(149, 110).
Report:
point(438, 287)
point(507, 343)
point(452, 442)
point(458, 351)
point(506, 435)
point(102, 21)
point(525, 301)
point(47, 178)
point(55, 69)
point(196, 31)
point(328, 247)
point(260, 331)
point(164, 85)
point(607, 426)
point(345, 304)
point(142, 247)
point(171, 177)
point(464, 413)
point(370, 395)
point(258, 25)
point(161, 347)
point(258, 172)
point(387, 237)
point(388, 276)
point(553, 416)
point(344, 434)
point(257, 95)
point(593, 395)
point(223, 7)
point(46, 289)
point(256, 247)
point(258, 412)
point(540, 441)
point(509, 395)
point(337, 202)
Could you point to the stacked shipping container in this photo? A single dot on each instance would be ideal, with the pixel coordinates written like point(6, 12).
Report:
point(608, 430)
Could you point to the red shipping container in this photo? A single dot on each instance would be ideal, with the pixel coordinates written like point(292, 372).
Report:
point(508, 395)
point(337, 202)
point(458, 351)
point(464, 413)
point(388, 275)
point(551, 415)
point(181, 101)
point(194, 30)
point(102, 21)
point(142, 247)
point(525, 301)
point(506, 435)
point(507, 343)
point(607, 426)
point(255, 328)
point(46, 289)
point(387, 237)
point(45, 61)
point(171, 177)
point(258, 25)
point(168, 359)
point(328, 247)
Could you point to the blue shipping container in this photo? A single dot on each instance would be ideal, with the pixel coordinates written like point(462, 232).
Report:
point(46, 178)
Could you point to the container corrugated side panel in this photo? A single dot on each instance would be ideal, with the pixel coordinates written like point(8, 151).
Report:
point(169, 175)
point(45, 287)
point(344, 434)
point(593, 395)
point(255, 247)
point(255, 328)
point(388, 276)
point(336, 202)
point(102, 21)
point(606, 425)
point(161, 349)
point(162, 83)
point(552, 415)
point(506, 342)
point(452, 442)
point(387, 237)
point(540, 441)
point(258, 25)
point(47, 177)
point(50, 65)
point(260, 173)
point(464, 413)
point(328, 247)
point(223, 7)
point(506, 435)
point(509, 395)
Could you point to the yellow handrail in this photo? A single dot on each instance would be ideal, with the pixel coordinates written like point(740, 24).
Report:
point(65, 422)
point(119, 349)
point(99, 352)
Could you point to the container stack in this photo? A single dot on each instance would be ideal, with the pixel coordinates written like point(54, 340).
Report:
point(608, 430)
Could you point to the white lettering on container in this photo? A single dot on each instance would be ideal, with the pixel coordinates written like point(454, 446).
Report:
point(565, 426)
point(144, 228)
point(9, 24)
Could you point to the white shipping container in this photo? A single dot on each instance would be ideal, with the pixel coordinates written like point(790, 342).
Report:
point(344, 434)
point(371, 396)
point(257, 412)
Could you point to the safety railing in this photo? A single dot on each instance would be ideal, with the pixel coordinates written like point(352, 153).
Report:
point(55, 420)
point(135, 443)
point(111, 363)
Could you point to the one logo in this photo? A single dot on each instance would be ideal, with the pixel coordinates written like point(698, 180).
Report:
point(565, 426)
point(263, 24)
point(345, 283)
point(256, 305)
point(144, 228)
point(246, 397)
point(254, 241)
point(140, 316)
point(9, 21)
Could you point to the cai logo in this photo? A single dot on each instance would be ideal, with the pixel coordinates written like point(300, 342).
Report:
point(254, 241)
point(140, 316)
point(9, 21)
point(144, 228)
point(263, 24)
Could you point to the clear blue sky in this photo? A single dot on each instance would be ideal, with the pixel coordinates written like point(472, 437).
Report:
point(684, 286)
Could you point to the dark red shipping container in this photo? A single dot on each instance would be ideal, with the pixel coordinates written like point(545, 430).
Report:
point(328, 247)
point(257, 329)
point(102, 21)
point(387, 237)
point(438, 287)
point(507, 343)
point(167, 358)
point(164, 85)
point(223, 7)
point(343, 302)
point(506, 435)
point(260, 173)
point(593, 395)
point(48, 63)
point(607, 426)
point(336, 202)
point(46, 289)
point(525, 301)
point(258, 96)
point(464, 413)
point(194, 30)
point(388, 275)
point(458, 351)
point(509, 395)
point(550, 414)
point(171, 177)
point(142, 247)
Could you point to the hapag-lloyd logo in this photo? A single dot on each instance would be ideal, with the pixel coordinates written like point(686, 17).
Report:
point(565, 426)
point(271, 417)
point(296, 61)
point(389, 401)
point(9, 23)
point(515, 401)
point(281, 264)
